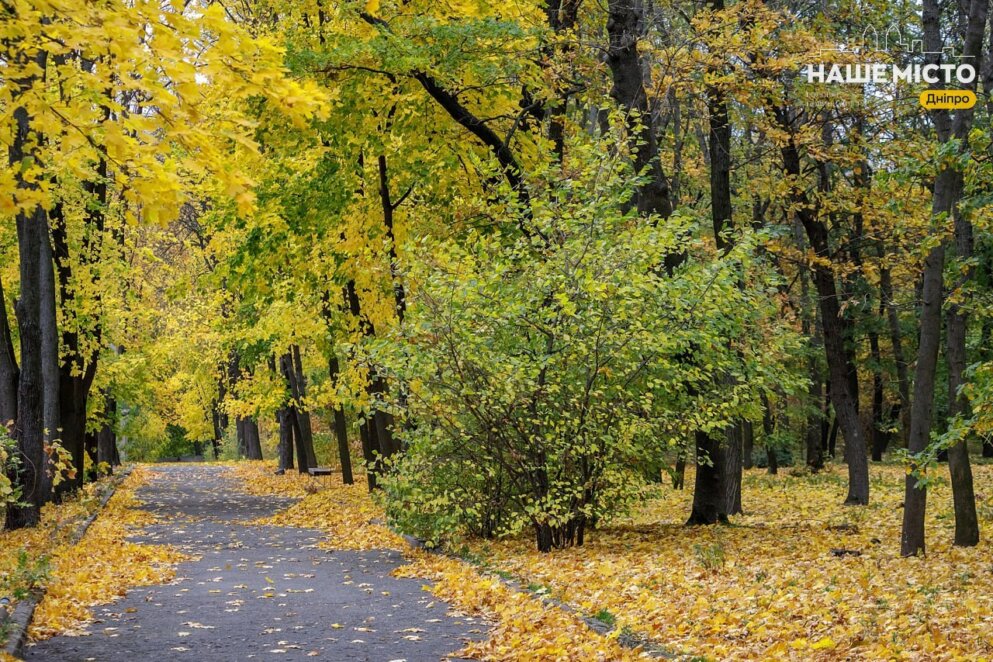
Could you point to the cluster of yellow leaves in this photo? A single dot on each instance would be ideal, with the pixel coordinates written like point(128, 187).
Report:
point(777, 584)
point(520, 622)
point(103, 565)
point(350, 517)
point(50, 536)
point(523, 627)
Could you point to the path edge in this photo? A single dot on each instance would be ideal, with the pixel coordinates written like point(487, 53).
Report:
point(18, 622)
point(626, 640)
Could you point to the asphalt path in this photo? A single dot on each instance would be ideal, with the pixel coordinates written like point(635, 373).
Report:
point(260, 592)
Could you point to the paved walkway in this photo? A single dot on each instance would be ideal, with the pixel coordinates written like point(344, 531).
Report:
point(260, 592)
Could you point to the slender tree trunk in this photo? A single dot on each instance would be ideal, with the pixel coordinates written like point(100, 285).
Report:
point(8, 369)
point(625, 28)
point(107, 436)
point(302, 432)
point(769, 428)
point(748, 444)
point(838, 353)
point(947, 189)
point(963, 493)
point(340, 427)
point(719, 149)
point(51, 416)
point(285, 439)
point(896, 340)
point(302, 414)
point(240, 436)
point(880, 437)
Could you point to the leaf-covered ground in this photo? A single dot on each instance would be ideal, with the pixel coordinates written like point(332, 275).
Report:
point(96, 570)
point(523, 627)
point(799, 576)
point(103, 565)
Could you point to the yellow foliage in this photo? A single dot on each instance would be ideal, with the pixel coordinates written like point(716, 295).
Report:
point(103, 565)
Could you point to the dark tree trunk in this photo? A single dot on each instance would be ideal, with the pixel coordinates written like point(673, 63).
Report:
point(340, 428)
point(370, 451)
point(239, 431)
point(815, 424)
point(832, 440)
point(948, 185)
point(377, 439)
point(963, 492)
point(51, 416)
point(880, 437)
point(748, 444)
point(731, 471)
point(896, 340)
point(107, 436)
point(77, 367)
point(302, 432)
point(679, 477)
point(769, 429)
point(389, 206)
point(285, 420)
point(32, 241)
point(8, 369)
point(253, 442)
point(836, 328)
point(215, 417)
point(707, 490)
point(626, 23)
point(719, 150)
point(303, 415)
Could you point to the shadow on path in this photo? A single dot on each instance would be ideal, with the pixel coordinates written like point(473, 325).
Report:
point(260, 592)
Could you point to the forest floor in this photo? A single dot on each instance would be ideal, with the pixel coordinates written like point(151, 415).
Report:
point(232, 562)
point(798, 576)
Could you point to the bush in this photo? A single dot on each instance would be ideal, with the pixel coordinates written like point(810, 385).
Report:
point(544, 372)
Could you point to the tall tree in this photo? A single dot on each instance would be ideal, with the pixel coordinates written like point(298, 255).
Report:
point(946, 192)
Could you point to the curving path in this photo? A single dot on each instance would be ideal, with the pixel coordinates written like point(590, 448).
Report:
point(260, 592)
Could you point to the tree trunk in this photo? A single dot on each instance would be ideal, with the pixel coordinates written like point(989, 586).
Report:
point(107, 436)
point(340, 427)
point(32, 232)
point(625, 27)
point(815, 423)
point(302, 414)
point(300, 421)
point(8, 369)
point(748, 444)
point(284, 418)
point(769, 428)
point(896, 340)
point(948, 185)
point(719, 150)
point(707, 489)
point(731, 471)
point(51, 416)
point(880, 437)
point(253, 443)
point(963, 493)
point(836, 332)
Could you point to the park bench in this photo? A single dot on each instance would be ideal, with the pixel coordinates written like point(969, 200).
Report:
point(317, 472)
